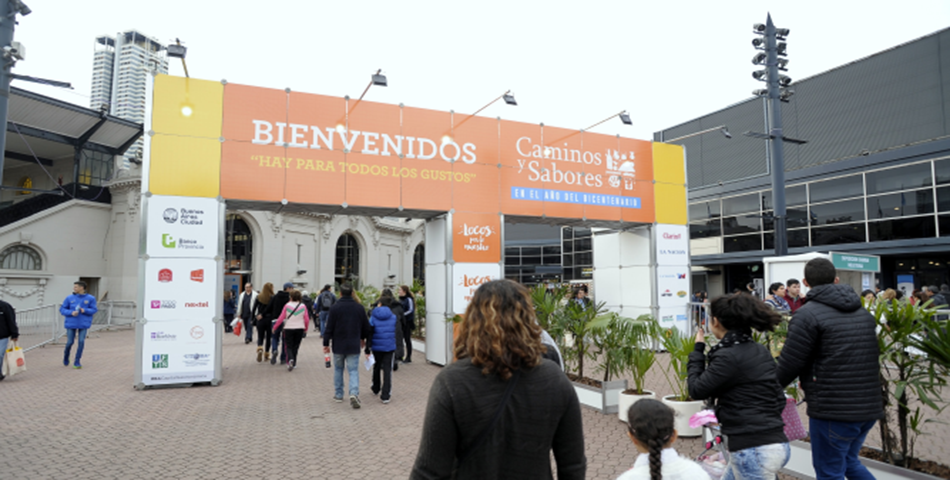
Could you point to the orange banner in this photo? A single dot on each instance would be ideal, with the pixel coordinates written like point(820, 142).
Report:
point(476, 238)
point(316, 149)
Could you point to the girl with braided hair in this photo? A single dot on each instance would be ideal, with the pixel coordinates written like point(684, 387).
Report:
point(650, 426)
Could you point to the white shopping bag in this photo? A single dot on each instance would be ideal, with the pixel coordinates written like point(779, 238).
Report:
point(370, 361)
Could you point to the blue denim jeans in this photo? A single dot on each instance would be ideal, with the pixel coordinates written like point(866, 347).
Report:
point(71, 335)
point(352, 363)
point(3, 350)
point(762, 462)
point(835, 447)
point(323, 321)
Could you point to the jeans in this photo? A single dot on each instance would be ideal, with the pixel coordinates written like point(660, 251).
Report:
point(835, 447)
point(762, 462)
point(407, 337)
point(263, 333)
point(228, 318)
point(3, 350)
point(248, 330)
point(323, 321)
point(352, 367)
point(292, 339)
point(275, 342)
point(384, 364)
point(70, 338)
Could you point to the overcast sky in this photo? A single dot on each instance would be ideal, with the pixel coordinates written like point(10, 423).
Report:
point(569, 63)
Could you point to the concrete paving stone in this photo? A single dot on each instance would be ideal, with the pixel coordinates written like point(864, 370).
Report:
point(91, 423)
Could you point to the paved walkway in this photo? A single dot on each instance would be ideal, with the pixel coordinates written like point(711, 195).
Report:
point(261, 422)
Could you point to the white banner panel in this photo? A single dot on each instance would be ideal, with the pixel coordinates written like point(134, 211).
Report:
point(672, 245)
point(179, 288)
point(182, 227)
point(467, 277)
point(179, 351)
point(673, 286)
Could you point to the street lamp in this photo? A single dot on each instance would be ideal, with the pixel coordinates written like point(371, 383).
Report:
point(177, 50)
point(624, 117)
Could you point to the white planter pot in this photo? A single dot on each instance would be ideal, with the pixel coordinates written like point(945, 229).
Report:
point(626, 400)
point(604, 399)
point(684, 410)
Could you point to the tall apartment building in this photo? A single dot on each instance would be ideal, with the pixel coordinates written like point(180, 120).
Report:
point(120, 70)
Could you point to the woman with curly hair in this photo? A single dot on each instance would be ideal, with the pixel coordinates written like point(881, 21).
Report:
point(263, 321)
point(500, 409)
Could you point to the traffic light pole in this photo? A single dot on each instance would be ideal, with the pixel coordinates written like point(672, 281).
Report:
point(775, 141)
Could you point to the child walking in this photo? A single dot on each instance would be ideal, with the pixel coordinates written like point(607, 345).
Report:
point(650, 426)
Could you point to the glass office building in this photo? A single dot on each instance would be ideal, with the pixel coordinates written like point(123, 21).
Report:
point(874, 177)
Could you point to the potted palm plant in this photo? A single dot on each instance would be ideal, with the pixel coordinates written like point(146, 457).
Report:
point(679, 345)
point(636, 358)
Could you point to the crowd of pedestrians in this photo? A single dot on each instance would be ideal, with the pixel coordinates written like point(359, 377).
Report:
point(348, 329)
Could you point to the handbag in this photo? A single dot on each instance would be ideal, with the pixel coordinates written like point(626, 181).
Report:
point(13, 361)
point(794, 429)
point(236, 327)
point(491, 426)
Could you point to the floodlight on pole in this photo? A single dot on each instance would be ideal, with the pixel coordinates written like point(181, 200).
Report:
point(624, 117)
point(722, 128)
point(177, 50)
point(508, 97)
point(377, 79)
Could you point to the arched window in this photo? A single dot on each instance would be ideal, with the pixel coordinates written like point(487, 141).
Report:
point(20, 257)
point(419, 263)
point(347, 258)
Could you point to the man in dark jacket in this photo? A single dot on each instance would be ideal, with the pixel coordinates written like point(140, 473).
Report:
point(939, 300)
point(8, 330)
point(348, 328)
point(832, 348)
point(274, 308)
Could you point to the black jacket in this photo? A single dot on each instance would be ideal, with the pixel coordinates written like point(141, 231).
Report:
point(8, 328)
point(276, 305)
point(741, 378)
point(832, 347)
point(346, 326)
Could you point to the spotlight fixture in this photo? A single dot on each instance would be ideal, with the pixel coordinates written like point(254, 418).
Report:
point(758, 43)
point(780, 49)
point(784, 80)
point(761, 75)
point(759, 59)
point(379, 79)
point(759, 28)
point(625, 118)
point(509, 99)
point(760, 92)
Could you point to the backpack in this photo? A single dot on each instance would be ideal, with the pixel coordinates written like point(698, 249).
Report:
point(326, 301)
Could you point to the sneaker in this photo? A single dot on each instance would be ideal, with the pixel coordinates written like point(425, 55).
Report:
point(354, 401)
point(77, 366)
point(273, 359)
point(2, 377)
point(290, 366)
point(260, 354)
point(395, 366)
point(66, 362)
point(386, 400)
point(338, 399)
point(374, 393)
point(408, 360)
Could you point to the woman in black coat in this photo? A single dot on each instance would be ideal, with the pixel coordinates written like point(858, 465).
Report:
point(740, 379)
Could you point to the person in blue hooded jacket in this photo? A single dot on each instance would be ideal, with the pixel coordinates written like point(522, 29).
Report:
point(78, 309)
point(383, 345)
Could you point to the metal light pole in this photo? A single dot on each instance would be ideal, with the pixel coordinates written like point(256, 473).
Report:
point(775, 132)
point(773, 45)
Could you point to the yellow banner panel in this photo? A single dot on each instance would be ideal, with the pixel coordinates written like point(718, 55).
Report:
point(185, 166)
point(669, 164)
point(670, 203)
point(187, 107)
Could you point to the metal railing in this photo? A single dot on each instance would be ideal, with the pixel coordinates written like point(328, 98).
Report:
point(44, 325)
